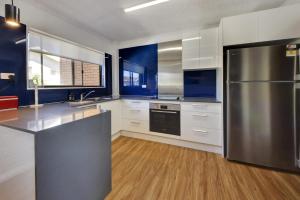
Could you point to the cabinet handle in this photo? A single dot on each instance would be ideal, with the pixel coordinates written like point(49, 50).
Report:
point(201, 131)
point(197, 105)
point(136, 102)
point(199, 115)
point(135, 110)
point(136, 123)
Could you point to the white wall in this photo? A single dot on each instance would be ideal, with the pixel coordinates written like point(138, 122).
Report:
point(41, 19)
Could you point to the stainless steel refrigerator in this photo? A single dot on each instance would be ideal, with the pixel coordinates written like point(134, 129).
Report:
point(263, 105)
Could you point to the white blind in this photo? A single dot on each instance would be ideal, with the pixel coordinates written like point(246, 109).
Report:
point(43, 43)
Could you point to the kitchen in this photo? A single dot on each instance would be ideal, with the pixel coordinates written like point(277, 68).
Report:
point(147, 106)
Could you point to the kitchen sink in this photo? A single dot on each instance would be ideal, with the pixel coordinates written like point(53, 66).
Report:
point(81, 103)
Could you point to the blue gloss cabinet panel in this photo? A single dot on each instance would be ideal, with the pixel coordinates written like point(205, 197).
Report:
point(200, 83)
point(138, 70)
point(13, 60)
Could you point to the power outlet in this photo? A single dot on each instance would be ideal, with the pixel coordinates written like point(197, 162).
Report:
point(5, 76)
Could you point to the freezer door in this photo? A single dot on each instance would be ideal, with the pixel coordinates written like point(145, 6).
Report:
point(267, 63)
point(260, 124)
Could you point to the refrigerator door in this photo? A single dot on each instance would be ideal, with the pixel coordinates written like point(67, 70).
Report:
point(267, 63)
point(260, 123)
point(297, 123)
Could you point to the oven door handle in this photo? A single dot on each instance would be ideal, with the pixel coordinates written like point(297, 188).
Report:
point(160, 111)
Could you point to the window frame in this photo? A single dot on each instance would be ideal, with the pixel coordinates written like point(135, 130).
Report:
point(102, 71)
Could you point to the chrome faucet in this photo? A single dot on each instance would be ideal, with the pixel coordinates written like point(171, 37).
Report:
point(83, 97)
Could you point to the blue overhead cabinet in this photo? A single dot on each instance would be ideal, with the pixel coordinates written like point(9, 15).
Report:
point(138, 70)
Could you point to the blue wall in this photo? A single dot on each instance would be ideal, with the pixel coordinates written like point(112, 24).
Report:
point(140, 60)
point(200, 83)
point(13, 60)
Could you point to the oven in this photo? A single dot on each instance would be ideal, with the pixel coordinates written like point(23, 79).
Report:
point(165, 118)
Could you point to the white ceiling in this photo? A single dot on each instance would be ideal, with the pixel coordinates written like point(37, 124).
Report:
point(107, 18)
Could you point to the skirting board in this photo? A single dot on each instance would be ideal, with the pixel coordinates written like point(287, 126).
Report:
point(181, 143)
point(115, 136)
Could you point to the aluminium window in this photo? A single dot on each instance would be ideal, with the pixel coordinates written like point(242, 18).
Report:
point(58, 63)
point(131, 78)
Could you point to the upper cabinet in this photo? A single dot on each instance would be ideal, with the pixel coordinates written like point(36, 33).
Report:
point(279, 23)
point(138, 70)
point(200, 51)
point(209, 48)
point(240, 29)
point(191, 52)
point(274, 24)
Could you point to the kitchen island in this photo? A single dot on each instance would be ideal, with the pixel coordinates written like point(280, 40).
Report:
point(55, 152)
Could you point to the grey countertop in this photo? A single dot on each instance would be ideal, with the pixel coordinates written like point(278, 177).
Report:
point(51, 115)
point(185, 99)
point(48, 116)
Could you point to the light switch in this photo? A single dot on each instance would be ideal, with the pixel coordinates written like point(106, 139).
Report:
point(5, 76)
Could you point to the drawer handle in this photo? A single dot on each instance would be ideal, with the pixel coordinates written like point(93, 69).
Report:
point(199, 115)
point(136, 102)
point(136, 123)
point(201, 131)
point(197, 105)
point(135, 110)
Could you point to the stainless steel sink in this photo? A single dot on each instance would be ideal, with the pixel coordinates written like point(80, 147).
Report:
point(81, 103)
point(99, 98)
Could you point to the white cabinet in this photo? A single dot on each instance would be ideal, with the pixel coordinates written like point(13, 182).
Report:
point(116, 120)
point(240, 29)
point(200, 51)
point(191, 52)
point(208, 48)
point(279, 23)
point(202, 123)
point(135, 116)
point(267, 25)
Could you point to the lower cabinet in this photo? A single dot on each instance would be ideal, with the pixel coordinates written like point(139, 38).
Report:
point(139, 126)
point(200, 122)
point(202, 125)
point(116, 119)
point(135, 116)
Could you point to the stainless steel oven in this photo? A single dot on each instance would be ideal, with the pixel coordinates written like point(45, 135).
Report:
point(165, 118)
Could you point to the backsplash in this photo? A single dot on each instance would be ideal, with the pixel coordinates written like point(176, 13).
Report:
point(13, 60)
point(200, 83)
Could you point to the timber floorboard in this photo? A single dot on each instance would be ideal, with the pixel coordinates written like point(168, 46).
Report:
point(154, 171)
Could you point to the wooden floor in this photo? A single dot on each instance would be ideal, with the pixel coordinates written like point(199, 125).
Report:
point(154, 171)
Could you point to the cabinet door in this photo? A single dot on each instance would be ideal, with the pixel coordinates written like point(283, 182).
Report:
point(115, 108)
point(240, 29)
point(279, 23)
point(208, 48)
point(191, 52)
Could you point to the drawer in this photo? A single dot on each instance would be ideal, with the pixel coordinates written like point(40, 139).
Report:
point(201, 120)
point(203, 135)
point(202, 107)
point(136, 104)
point(135, 125)
point(135, 113)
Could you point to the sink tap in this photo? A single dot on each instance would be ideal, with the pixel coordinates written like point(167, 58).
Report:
point(83, 97)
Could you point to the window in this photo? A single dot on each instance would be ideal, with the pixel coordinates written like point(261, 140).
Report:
point(131, 78)
point(60, 64)
point(126, 78)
